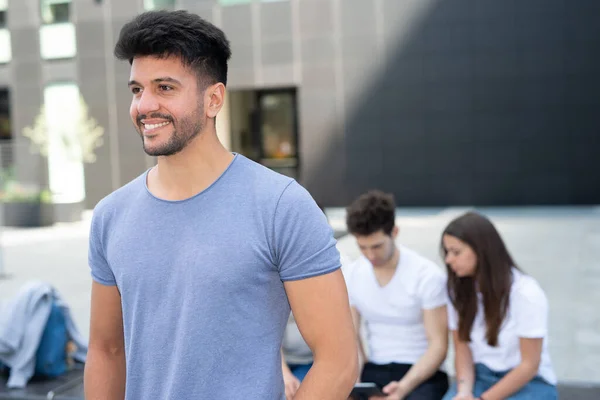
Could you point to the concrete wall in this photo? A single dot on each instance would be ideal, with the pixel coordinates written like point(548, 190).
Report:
point(441, 102)
point(466, 102)
point(24, 77)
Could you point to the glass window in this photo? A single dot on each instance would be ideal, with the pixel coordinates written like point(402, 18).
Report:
point(55, 11)
point(232, 2)
point(278, 125)
point(58, 41)
point(5, 128)
point(5, 48)
point(3, 8)
point(65, 169)
point(159, 5)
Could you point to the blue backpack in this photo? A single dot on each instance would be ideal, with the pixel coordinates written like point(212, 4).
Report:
point(51, 355)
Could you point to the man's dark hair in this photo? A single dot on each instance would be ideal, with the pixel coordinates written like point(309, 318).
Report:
point(371, 212)
point(201, 46)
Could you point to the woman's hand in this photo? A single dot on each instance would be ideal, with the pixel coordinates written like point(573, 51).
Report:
point(291, 385)
point(464, 396)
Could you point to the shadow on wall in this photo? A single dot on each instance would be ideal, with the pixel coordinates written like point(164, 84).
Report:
point(481, 103)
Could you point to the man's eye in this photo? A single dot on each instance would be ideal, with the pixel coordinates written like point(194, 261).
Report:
point(135, 90)
point(165, 88)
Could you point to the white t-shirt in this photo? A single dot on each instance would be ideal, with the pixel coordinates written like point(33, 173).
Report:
point(527, 317)
point(295, 349)
point(393, 314)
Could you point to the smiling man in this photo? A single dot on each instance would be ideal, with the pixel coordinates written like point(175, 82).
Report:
point(197, 262)
point(401, 297)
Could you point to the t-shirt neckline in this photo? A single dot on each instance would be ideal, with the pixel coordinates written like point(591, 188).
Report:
point(394, 277)
point(195, 196)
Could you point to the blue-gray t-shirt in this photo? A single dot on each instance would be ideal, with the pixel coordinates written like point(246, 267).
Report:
point(201, 280)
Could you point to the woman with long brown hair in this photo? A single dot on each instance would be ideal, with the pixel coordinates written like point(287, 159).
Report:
point(498, 317)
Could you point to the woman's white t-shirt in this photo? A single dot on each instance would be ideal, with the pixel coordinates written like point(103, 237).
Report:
point(394, 313)
point(527, 317)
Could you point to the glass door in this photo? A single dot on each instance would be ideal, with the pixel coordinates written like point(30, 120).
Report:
point(277, 124)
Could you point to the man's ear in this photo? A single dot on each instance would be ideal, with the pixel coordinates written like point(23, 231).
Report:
point(395, 232)
point(214, 97)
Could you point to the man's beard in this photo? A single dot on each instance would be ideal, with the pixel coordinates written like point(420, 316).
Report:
point(184, 132)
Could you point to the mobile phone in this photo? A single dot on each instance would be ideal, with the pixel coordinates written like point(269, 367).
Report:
point(365, 389)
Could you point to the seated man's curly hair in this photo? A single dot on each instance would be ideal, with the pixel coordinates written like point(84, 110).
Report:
point(372, 212)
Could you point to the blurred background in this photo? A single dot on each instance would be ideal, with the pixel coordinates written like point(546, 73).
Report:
point(448, 104)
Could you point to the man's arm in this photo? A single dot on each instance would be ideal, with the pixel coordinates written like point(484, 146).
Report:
point(436, 329)
point(322, 312)
point(362, 355)
point(104, 376)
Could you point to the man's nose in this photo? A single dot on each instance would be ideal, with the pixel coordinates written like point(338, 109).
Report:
point(147, 103)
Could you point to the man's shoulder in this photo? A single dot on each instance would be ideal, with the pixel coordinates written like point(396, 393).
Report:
point(259, 173)
point(121, 196)
point(421, 265)
point(264, 181)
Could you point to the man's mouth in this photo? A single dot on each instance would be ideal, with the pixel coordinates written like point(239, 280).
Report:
point(151, 127)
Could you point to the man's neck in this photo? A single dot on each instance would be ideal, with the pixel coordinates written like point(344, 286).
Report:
point(190, 171)
point(392, 263)
point(384, 273)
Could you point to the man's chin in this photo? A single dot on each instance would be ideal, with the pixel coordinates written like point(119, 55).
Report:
point(160, 151)
point(152, 152)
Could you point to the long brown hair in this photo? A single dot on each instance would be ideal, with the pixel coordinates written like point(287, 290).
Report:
point(493, 276)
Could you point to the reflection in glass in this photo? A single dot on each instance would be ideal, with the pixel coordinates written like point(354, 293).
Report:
point(58, 41)
point(65, 170)
point(150, 5)
point(5, 47)
point(55, 11)
point(233, 2)
point(5, 128)
point(278, 125)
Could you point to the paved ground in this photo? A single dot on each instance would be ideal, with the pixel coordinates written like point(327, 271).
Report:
point(558, 246)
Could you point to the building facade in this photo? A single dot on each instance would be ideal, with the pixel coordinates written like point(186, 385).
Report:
point(463, 102)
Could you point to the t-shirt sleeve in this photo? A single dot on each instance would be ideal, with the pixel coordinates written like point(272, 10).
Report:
point(530, 308)
point(432, 288)
point(304, 245)
point(348, 271)
point(100, 269)
point(452, 317)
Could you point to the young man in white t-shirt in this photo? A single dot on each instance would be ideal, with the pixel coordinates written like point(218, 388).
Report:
point(401, 297)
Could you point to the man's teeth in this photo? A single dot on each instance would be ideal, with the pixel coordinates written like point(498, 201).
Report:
point(154, 126)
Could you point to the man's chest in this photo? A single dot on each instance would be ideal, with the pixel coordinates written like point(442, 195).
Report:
point(149, 255)
point(388, 305)
point(383, 277)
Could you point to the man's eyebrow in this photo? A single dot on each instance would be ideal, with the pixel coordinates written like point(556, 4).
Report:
point(166, 79)
point(157, 80)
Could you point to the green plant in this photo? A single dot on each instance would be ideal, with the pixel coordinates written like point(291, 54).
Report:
point(14, 191)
